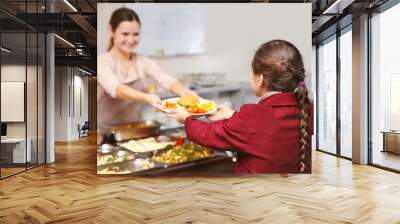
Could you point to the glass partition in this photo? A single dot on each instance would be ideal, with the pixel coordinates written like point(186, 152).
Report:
point(22, 89)
point(14, 145)
point(327, 96)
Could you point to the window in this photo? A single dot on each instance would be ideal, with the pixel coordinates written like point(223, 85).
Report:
point(346, 93)
point(385, 89)
point(327, 96)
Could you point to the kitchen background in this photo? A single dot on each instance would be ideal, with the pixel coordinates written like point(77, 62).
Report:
point(212, 38)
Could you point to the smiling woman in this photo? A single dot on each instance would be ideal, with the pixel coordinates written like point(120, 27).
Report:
point(128, 23)
point(122, 74)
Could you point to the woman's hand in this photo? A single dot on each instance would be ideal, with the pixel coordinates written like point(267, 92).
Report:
point(223, 113)
point(154, 101)
point(128, 93)
point(180, 115)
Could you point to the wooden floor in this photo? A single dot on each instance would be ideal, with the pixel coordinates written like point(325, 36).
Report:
point(69, 191)
point(5, 172)
point(10, 171)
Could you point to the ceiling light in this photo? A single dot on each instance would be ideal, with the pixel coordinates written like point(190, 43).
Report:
point(338, 6)
point(70, 5)
point(331, 7)
point(64, 40)
point(5, 50)
point(84, 71)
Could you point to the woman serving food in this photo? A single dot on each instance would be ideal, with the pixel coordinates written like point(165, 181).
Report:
point(122, 74)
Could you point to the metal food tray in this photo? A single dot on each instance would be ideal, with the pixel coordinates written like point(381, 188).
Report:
point(146, 154)
point(115, 153)
point(133, 167)
point(174, 134)
point(135, 130)
point(126, 166)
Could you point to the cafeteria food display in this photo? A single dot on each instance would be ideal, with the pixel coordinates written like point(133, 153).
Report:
point(192, 104)
point(165, 150)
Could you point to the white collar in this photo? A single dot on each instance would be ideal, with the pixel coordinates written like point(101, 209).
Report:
point(266, 95)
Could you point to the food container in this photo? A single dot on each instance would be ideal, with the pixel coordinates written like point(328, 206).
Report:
point(135, 166)
point(146, 147)
point(135, 130)
point(142, 164)
point(114, 156)
point(106, 148)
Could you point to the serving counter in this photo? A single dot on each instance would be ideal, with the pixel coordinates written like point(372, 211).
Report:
point(182, 158)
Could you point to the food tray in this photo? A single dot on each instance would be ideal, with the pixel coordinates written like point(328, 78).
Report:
point(114, 156)
point(135, 166)
point(135, 130)
point(149, 148)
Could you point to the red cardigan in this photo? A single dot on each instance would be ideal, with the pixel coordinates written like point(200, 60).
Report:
point(265, 135)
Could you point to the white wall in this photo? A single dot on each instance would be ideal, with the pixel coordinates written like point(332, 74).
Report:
point(233, 32)
point(61, 103)
point(67, 115)
point(12, 73)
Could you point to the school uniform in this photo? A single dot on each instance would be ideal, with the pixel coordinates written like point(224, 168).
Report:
point(266, 135)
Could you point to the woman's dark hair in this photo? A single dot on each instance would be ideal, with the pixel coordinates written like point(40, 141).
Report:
point(281, 64)
point(118, 16)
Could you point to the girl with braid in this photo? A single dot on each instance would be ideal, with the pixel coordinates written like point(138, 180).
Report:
point(274, 135)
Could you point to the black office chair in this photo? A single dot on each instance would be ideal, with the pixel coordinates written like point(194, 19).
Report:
point(84, 130)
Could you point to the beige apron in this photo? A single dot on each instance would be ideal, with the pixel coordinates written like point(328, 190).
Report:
point(112, 111)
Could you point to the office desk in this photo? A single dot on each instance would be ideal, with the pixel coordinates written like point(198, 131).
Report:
point(391, 141)
point(13, 150)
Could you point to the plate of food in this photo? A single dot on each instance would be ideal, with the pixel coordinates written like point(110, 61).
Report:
point(192, 104)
